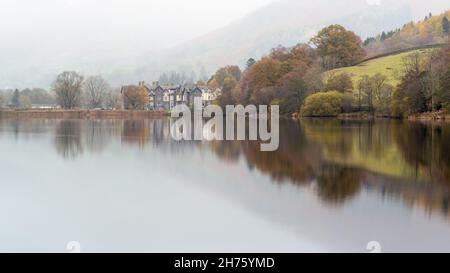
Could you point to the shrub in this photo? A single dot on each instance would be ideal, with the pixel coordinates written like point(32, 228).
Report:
point(323, 104)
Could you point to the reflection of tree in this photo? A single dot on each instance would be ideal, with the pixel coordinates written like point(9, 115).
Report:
point(344, 156)
point(98, 133)
point(292, 161)
point(135, 132)
point(227, 150)
point(68, 138)
point(284, 164)
point(426, 148)
point(332, 135)
point(336, 184)
point(298, 160)
point(160, 132)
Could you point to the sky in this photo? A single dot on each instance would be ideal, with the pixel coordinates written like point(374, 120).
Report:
point(40, 38)
point(169, 21)
point(44, 36)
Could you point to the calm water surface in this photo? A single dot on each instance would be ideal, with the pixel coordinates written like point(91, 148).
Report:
point(123, 185)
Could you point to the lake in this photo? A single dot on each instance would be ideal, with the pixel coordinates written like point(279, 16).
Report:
point(126, 186)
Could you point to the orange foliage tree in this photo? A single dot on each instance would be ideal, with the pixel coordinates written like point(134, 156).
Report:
point(135, 97)
point(338, 47)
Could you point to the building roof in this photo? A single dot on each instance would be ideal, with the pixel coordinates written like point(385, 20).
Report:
point(172, 90)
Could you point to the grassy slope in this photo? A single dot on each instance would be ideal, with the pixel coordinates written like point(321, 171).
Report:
point(391, 66)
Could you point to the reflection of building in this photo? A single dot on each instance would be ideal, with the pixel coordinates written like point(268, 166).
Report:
point(166, 97)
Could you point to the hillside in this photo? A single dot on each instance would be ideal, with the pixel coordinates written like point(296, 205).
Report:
point(427, 31)
point(390, 66)
point(137, 50)
point(287, 22)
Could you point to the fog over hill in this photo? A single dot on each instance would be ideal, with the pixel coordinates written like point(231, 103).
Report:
point(103, 41)
point(288, 22)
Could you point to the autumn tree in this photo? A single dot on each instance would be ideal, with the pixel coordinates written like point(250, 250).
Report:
point(266, 95)
point(135, 97)
point(375, 92)
point(443, 74)
point(293, 91)
point(445, 25)
point(314, 78)
point(279, 78)
point(227, 97)
point(230, 71)
point(299, 57)
point(410, 95)
point(445, 90)
point(425, 85)
point(338, 47)
point(68, 89)
point(226, 78)
point(95, 90)
point(341, 82)
point(200, 83)
point(263, 74)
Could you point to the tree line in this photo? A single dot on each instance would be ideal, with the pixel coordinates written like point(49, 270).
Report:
point(70, 90)
point(288, 75)
point(431, 30)
point(300, 80)
point(25, 98)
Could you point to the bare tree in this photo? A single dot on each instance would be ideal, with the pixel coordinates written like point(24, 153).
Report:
point(95, 91)
point(2, 100)
point(113, 99)
point(68, 89)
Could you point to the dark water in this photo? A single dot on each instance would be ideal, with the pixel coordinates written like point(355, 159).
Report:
point(116, 185)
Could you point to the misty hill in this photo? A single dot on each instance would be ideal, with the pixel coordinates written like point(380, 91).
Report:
point(428, 31)
point(288, 22)
point(282, 22)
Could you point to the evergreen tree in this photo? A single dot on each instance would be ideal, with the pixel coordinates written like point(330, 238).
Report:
point(15, 99)
point(164, 79)
point(445, 26)
point(250, 63)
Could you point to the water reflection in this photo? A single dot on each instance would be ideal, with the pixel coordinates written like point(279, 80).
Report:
point(337, 159)
point(68, 139)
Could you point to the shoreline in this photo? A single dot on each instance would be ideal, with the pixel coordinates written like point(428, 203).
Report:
point(82, 114)
point(422, 117)
point(148, 114)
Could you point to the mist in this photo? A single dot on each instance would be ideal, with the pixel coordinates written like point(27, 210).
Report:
point(132, 40)
point(40, 38)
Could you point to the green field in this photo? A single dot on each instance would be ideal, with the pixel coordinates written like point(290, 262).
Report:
point(391, 66)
